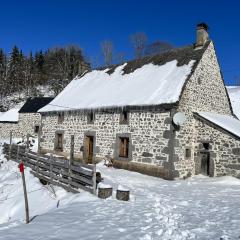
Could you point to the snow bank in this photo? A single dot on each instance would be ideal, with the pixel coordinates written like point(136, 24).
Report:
point(10, 116)
point(148, 85)
point(227, 122)
point(234, 95)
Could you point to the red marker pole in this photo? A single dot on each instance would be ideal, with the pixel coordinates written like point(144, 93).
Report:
point(21, 169)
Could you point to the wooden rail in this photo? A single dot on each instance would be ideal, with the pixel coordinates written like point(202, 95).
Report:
point(70, 175)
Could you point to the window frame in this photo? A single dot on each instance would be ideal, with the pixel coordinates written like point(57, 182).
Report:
point(56, 147)
point(188, 152)
point(117, 154)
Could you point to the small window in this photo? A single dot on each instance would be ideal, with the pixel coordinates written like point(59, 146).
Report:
point(36, 129)
point(90, 117)
point(206, 146)
point(123, 147)
point(188, 153)
point(124, 117)
point(60, 117)
point(199, 80)
point(59, 142)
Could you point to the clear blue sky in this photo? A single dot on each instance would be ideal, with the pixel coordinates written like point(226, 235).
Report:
point(34, 25)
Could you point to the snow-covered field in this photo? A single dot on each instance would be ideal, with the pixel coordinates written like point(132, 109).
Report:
point(196, 208)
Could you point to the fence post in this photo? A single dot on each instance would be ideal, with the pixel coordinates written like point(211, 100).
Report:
point(21, 166)
point(27, 140)
point(39, 138)
point(18, 153)
point(51, 166)
point(94, 179)
point(10, 145)
point(71, 158)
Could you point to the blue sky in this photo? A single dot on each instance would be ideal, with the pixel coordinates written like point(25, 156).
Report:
point(34, 25)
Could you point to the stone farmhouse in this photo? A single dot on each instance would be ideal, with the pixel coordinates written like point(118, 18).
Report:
point(167, 115)
point(23, 121)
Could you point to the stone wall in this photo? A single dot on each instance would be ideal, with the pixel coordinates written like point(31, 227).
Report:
point(205, 91)
point(224, 149)
point(26, 124)
point(148, 131)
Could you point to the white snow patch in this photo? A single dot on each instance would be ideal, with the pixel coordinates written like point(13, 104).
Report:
point(10, 116)
point(234, 95)
point(229, 123)
point(148, 85)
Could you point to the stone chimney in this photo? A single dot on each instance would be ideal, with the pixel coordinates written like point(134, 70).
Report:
point(202, 34)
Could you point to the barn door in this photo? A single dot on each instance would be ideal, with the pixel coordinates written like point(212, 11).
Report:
point(89, 149)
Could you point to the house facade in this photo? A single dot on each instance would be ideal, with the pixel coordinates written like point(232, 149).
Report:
point(23, 121)
point(127, 112)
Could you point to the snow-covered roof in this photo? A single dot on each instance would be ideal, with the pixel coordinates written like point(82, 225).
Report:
point(234, 95)
point(226, 122)
point(10, 116)
point(149, 81)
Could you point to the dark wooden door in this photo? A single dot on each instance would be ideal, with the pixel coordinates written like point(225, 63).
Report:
point(205, 163)
point(89, 149)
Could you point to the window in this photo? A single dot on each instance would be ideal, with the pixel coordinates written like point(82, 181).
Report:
point(59, 142)
point(206, 146)
point(60, 117)
point(124, 117)
point(36, 128)
point(188, 153)
point(123, 147)
point(90, 117)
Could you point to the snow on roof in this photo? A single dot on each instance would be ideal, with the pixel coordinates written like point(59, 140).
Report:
point(148, 85)
point(234, 95)
point(226, 122)
point(10, 116)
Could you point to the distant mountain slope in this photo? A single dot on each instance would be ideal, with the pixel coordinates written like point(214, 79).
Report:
point(16, 100)
point(234, 94)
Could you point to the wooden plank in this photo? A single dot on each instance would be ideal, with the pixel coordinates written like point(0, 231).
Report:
point(67, 188)
point(82, 171)
point(88, 166)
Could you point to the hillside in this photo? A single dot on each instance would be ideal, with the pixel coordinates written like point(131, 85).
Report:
point(17, 99)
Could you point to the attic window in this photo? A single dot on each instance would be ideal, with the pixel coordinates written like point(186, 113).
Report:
point(199, 80)
point(60, 117)
point(124, 117)
point(36, 128)
point(90, 117)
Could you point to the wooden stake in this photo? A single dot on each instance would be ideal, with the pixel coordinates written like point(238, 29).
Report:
point(28, 141)
point(94, 179)
point(71, 158)
point(25, 197)
point(39, 139)
point(10, 146)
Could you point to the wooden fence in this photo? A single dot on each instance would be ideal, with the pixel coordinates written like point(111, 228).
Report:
point(68, 174)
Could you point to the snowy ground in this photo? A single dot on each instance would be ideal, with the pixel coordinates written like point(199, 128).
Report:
point(197, 208)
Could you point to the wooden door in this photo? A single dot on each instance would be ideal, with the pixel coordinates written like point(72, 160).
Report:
point(89, 149)
point(205, 163)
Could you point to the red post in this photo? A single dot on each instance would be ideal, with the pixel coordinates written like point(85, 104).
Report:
point(21, 169)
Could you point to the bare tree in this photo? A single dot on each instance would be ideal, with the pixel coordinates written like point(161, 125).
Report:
point(157, 47)
point(107, 50)
point(138, 41)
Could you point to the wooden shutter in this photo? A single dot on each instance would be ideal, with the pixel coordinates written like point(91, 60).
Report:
point(123, 147)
